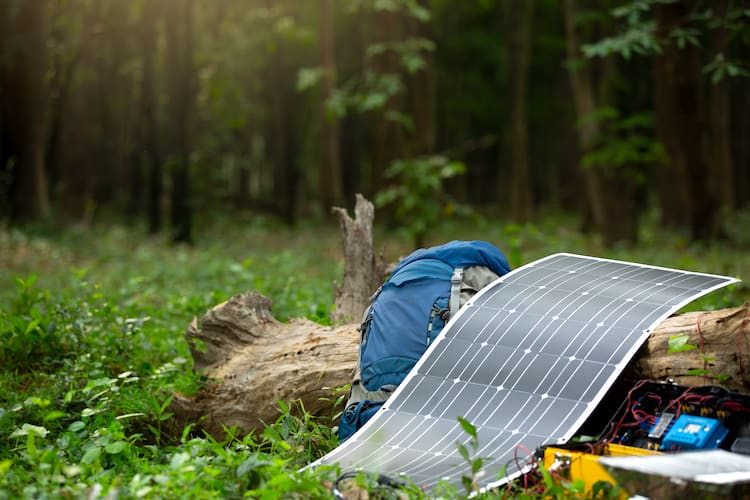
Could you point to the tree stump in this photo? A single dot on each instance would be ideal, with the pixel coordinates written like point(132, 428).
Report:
point(256, 360)
point(363, 273)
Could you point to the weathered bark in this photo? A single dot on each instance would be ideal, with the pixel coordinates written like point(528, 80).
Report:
point(257, 361)
point(722, 340)
point(362, 272)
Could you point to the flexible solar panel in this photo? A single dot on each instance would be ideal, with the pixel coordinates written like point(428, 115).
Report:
point(525, 361)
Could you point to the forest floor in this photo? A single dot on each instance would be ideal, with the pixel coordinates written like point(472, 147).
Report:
point(92, 346)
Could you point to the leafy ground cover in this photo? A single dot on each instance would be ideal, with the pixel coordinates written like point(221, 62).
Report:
point(92, 347)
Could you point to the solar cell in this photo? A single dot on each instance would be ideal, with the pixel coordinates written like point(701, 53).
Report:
point(525, 361)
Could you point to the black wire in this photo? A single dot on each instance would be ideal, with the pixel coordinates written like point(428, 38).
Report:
point(380, 479)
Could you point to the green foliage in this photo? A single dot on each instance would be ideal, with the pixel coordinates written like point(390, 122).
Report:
point(25, 342)
point(469, 455)
point(298, 437)
point(87, 370)
point(642, 35)
point(84, 411)
point(679, 343)
point(367, 90)
point(542, 483)
point(419, 195)
point(627, 145)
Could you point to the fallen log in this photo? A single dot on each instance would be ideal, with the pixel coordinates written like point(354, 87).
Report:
point(256, 361)
point(717, 350)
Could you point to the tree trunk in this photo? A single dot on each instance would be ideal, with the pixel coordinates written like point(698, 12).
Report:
point(329, 173)
point(355, 126)
point(519, 50)
point(388, 136)
point(281, 133)
point(742, 144)
point(610, 192)
point(150, 157)
point(585, 104)
point(423, 91)
point(721, 132)
point(24, 102)
point(181, 95)
point(362, 272)
point(681, 126)
point(256, 361)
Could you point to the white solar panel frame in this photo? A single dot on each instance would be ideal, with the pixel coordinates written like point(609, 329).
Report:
point(450, 466)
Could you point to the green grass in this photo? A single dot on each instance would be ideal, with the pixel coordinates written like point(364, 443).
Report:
point(92, 346)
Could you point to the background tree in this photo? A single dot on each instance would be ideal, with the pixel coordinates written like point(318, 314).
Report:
point(519, 28)
point(282, 108)
point(330, 176)
point(680, 36)
point(24, 106)
point(180, 77)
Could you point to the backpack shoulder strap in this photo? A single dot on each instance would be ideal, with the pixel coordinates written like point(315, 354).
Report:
point(454, 302)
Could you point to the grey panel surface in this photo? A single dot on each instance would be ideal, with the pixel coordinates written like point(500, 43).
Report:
point(525, 361)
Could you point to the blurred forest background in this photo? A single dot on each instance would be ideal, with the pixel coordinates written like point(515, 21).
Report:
point(150, 111)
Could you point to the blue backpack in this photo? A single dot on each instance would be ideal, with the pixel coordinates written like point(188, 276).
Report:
point(408, 312)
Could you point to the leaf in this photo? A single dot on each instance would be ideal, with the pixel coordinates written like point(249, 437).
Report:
point(678, 343)
point(87, 412)
point(467, 427)
point(468, 483)
point(31, 326)
point(283, 406)
point(308, 78)
point(464, 452)
point(697, 372)
point(76, 426)
point(91, 455)
point(129, 415)
point(54, 415)
point(373, 101)
point(116, 447)
point(252, 463)
point(29, 429)
point(5, 466)
point(178, 460)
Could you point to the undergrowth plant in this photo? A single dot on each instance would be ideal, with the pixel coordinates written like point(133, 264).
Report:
point(92, 348)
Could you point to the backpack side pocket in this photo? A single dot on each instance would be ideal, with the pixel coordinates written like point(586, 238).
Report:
point(355, 416)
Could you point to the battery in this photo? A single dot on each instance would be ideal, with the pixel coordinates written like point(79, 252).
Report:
point(691, 432)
